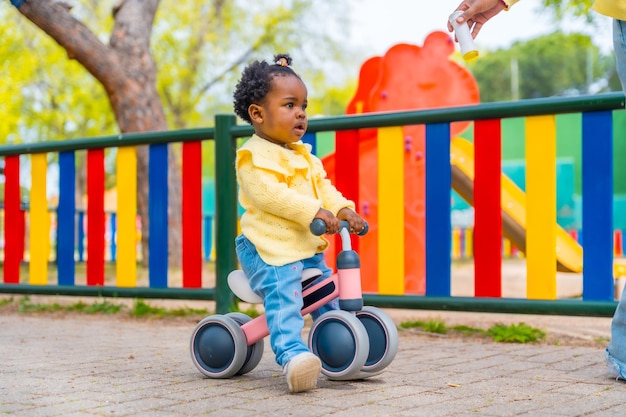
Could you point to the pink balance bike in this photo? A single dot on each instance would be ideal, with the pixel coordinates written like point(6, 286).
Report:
point(354, 342)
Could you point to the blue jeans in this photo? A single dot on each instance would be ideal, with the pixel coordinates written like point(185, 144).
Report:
point(619, 46)
point(616, 351)
point(281, 290)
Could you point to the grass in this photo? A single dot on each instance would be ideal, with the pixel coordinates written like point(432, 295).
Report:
point(139, 309)
point(501, 333)
point(25, 305)
point(516, 333)
point(99, 307)
point(513, 333)
point(6, 301)
point(430, 326)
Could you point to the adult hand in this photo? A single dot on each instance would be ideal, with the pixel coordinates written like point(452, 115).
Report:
point(476, 13)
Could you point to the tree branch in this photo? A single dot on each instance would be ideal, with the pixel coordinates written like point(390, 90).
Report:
point(263, 39)
point(79, 42)
point(219, 77)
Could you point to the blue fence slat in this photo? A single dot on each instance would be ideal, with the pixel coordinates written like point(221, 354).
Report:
point(113, 242)
point(157, 211)
point(438, 205)
point(597, 187)
point(81, 237)
point(66, 218)
point(310, 139)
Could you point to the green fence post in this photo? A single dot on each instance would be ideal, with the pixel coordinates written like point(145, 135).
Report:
point(225, 211)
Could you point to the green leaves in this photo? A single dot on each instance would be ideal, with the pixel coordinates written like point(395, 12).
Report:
point(199, 47)
point(43, 94)
point(562, 8)
point(550, 65)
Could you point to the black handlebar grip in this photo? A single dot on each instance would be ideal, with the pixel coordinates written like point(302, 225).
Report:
point(318, 227)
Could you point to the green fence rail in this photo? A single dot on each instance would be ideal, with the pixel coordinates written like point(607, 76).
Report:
point(226, 133)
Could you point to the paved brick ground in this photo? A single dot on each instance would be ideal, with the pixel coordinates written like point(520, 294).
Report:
point(81, 365)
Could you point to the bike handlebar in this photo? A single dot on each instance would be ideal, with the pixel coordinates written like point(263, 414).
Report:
point(318, 227)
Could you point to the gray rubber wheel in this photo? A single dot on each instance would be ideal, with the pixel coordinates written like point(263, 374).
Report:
point(340, 340)
point(218, 346)
point(383, 337)
point(255, 351)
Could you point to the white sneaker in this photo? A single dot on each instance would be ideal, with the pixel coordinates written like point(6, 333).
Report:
point(302, 372)
point(613, 370)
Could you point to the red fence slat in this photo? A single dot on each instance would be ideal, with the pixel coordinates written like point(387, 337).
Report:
point(95, 217)
point(488, 214)
point(192, 214)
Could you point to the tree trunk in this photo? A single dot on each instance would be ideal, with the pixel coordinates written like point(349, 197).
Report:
point(127, 72)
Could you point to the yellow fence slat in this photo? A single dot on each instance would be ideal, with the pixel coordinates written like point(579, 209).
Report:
point(456, 243)
point(126, 268)
point(541, 207)
point(506, 248)
point(391, 211)
point(39, 236)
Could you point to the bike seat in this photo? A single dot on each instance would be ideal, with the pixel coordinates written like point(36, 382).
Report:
point(240, 286)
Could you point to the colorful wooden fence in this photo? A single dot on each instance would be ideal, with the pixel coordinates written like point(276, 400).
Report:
point(392, 252)
point(485, 243)
point(91, 234)
point(462, 240)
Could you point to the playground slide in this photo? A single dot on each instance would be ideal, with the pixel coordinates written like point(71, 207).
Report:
point(413, 77)
point(513, 200)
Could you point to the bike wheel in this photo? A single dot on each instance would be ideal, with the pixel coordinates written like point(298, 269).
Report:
point(254, 352)
point(383, 337)
point(340, 340)
point(218, 346)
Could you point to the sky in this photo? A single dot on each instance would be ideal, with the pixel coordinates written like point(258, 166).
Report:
point(380, 24)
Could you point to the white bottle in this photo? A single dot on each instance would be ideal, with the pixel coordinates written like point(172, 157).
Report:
point(466, 42)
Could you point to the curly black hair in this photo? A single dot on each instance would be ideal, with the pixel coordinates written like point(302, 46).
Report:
point(256, 82)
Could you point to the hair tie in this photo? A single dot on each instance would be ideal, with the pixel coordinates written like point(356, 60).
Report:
point(282, 61)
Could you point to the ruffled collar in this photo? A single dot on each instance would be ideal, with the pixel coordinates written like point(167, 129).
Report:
point(270, 156)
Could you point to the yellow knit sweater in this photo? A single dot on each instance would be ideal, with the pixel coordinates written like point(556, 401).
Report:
point(281, 190)
point(612, 8)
